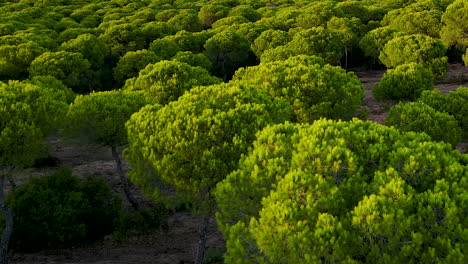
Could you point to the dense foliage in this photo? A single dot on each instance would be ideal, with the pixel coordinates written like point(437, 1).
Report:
point(419, 49)
point(454, 103)
point(100, 117)
point(314, 90)
point(419, 117)
point(165, 81)
point(405, 82)
point(60, 211)
point(29, 111)
point(280, 60)
point(216, 123)
point(351, 192)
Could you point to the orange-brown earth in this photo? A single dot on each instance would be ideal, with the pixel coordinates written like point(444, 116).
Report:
point(176, 243)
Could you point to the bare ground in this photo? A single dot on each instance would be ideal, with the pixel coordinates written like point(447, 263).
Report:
point(173, 245)
point(176, 244)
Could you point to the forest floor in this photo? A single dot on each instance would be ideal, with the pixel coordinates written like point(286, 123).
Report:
point(176, 243)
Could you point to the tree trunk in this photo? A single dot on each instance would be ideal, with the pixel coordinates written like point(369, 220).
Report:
point(8, 214)
point(12, 181)
point(123, 179)
point(202, 239)
point(346, 59)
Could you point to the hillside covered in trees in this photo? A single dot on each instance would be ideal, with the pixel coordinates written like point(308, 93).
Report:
point(264, 116)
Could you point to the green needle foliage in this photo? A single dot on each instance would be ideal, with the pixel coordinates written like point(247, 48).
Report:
point(415, 20)
point(419, 117)
point(420, 49)
point(29, 112)
point(15, 59)
point(91, 47)
point(318, 41)
point(455, 103)
point(374, 41)
point(270, 39)
point(455, 29)
point(100, 117)
point(313, 89)
point(132, 63)
point(68, 67)
point(194, 60)
point(165, 81)
point(345, 192)
point(194, 142)
point(405, 82)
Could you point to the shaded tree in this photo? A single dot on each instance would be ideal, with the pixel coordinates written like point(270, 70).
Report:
point(28, 114)
point(350, 30)
point(210, 13)
point(99, 118)
point(228, 51)
point(132, 63)
point(91, 47)
point(68, 67)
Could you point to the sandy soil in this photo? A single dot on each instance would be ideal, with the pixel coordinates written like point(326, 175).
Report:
point(176, 244)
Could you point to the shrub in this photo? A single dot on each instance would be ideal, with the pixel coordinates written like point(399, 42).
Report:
point(405, 82)
point(419, 117)
point(61, 211)
point(419, 49)
point(454, 103)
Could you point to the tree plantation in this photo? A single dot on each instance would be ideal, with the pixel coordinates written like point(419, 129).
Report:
point(234, 131)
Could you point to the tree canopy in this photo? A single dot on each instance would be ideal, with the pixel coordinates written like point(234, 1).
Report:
point(314, 90)
point(419, 49)
point(29, 111)
point(352, 192)
point(165, 81)
point(216, 123)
